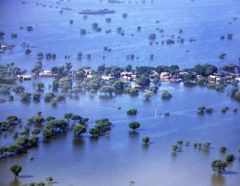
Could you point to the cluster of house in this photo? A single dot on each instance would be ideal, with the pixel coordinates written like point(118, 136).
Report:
point(167, 77)
point(47, 73)
point(218, 78)
point(44, 73)
point(127, 76)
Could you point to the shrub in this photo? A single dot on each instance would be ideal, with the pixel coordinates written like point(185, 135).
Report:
point(132, 111)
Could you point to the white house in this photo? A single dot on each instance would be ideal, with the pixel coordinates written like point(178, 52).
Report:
point(46, 73)
point(24, 77)
point(106, 77)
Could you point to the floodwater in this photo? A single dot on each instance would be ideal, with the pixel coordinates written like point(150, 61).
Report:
point(204, 21)
point(119, 157)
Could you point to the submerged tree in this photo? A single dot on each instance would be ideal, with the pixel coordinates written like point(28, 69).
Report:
point(218, 166)
point(79, 129)
point(134, 125)
point(166, 95)
point(222, 149)
point(132, 111)
point(16, 169)
point(94, 132)
point(174, 148)
point(146, 140)
point(229, 158)
point(68, 116)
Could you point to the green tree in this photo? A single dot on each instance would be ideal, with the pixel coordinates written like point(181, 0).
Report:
point(146, 140)
point(174, 148)
point(134, 125)
point(147, 96)
point(229, 158)
point(49, 179)
point(68, 116)
point(143, 81)
point(222, 149)
point(94, 132)
point(107, 90)
point(118, 86)
point(49, 96)
point(40, 86)
point(79, 129)
point(218, 166)
point(180, 142)
point(166, 95)
point(25, 96)
point(103, 125)
point(132, 111)
point(36, 96)
point(16, 169)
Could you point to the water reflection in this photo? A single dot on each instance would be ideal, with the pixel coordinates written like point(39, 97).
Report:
point(217, 180)
point(14, 182)
point(78, 142)
point(133, 133)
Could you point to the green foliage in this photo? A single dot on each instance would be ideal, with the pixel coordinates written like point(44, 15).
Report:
point(76, 117)
point(22, 141)
point(237, 96)
point(225, 109)
point(33, 141)
point(68, 116)
point(132, 111)
point(57, 124)
point(103, 125)
point(49, 179)
point(174, 148)
point(147, 95)
point(235, 110)
point(118, 86)
point(209, 110)
point(132, 91)
point(40, 86)
point(205, 70)
point(25, 96)
point(48, 133)
point(143, 81)
point(201, 110)
point(18, 89)
point(134, 125)
point(36, 120)
point(94, 132)
point(36, 96)
point(180, 142)
point(107, 90)
point(146, 140)
point(218, 166)
point(166, 95)
point(229, 158)
point(79, 129)
point(222, 149)
point(16, 169)
point(49, 96)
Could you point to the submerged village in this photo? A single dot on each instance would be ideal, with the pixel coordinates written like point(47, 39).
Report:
point(116, 80)
point(119, 93)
